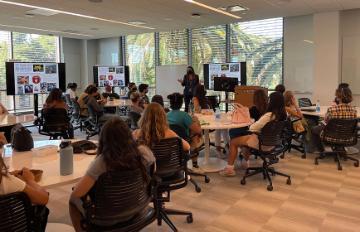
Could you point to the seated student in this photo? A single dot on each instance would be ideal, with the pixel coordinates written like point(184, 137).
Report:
point(341, 85)
point(83, 107)
point(343, 110)
point(3, 109)
point(117, 150)
point(55, 100)
point(131, 89)
point(109, 93)
point(143, 90)
point(190, 124)
point(24, 182)
point(199, 99)
point(154, 127)
point(280, 88)
point(135, 103)
point(159, 99)
point(276, 111)
point(95, 105)
point(71, 90)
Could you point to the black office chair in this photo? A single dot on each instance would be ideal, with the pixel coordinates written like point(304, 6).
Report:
point(304, 102)
point(55, 122)
point(69, 103)
point(16, 214)
point(77, 118)
point(180, 131)
point(214, 101)
point(338, 134)
point(119, 201)
point(295, 140)
point(171, 168)
point(272, 135)
point(134, 119)
point(93, 126)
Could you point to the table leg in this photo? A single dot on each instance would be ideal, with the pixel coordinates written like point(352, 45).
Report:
point(210, 164)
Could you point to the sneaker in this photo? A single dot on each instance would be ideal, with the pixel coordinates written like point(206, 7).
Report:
point(227, 172)
point(197, 170)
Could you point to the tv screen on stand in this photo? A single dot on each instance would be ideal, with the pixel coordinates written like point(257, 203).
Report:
point(114, 76)
point(34, 77)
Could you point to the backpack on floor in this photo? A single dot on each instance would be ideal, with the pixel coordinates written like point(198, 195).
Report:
point(21, 139)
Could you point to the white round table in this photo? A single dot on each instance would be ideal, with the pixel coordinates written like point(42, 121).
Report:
point(208, 122)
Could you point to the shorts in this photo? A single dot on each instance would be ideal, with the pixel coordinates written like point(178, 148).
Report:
point(237, 132)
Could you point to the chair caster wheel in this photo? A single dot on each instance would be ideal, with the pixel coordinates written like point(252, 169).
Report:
point(243, 182)
point(189, 219)
point(282, 156)
point(356, 164)
point(207, 179)
point(269, 188)
point(198, 189)
point(303, 157)
point(316, 162)
point(339, 168)
point(288, 182)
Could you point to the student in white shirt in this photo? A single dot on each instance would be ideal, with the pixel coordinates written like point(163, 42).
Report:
point(71, 90)
point(276, 111)
point(10, 183)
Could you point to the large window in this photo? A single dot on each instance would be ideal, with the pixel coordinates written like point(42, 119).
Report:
point(173, 47)
point(260, 44)
point(208, 46)
point(140, 56)
point(5, 54)
point(37, 48)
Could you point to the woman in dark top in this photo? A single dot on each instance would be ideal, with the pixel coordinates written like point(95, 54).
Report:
point(260, 104)
point(199, 100)
point(190, 81)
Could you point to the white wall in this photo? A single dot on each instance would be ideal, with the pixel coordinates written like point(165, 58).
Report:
point(108, 51)
point(71, 55)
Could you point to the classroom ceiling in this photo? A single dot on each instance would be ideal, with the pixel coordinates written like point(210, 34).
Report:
point(162, 15)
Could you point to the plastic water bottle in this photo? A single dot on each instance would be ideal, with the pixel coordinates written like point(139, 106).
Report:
point(217, 114)
point(66, 158)
point(317, 108)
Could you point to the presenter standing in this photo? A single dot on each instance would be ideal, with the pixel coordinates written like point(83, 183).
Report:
point(190, 81)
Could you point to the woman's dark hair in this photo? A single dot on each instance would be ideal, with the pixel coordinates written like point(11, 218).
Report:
point(200, 94)
point(260, 99)
point(88, 88)
point(142, 87)
point(176, 101)
point(191, 70)
point(280, 88)
point(277, 106)
point(91, 89)
point(344, 94)
point(117, 146)
point(72, 86)
point(343, 85)
point(158, 99)
point(55, 95)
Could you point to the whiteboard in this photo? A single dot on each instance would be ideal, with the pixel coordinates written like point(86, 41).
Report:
point(166, 79)
point(351, 62)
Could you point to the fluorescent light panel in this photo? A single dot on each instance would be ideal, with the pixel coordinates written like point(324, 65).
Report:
point(38, 29)
point(73, 14)
point(213, 9)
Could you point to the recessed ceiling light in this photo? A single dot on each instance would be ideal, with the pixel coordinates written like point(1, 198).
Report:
point(237, 8)
point(213, 8)
point(195, 15)
point(95, 1)
point(42, 12)
point(308, 41)
point(29, 15)
point(74, 14)
point(39, 29)
point(136, 22)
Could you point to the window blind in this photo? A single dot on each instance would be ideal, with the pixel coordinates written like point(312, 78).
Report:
point(173, 47)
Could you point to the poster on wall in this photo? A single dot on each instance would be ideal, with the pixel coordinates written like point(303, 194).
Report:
point(111, 76)
point(35, 78)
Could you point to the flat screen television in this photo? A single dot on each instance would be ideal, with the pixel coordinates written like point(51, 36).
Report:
point(34, 77)
point(233, 70)
point(114, 76)
point(226, 84)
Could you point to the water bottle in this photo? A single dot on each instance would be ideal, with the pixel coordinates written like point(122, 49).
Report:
point(66, 158)
point(217, 114)
point(317, 108)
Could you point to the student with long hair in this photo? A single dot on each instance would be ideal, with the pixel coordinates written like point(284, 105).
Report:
point(190, 81)
point(275, 111)
point(159, 99)
point(117, 150)
point(23, 181)
point(199, 99)
point(154, 127)
point(55, 100)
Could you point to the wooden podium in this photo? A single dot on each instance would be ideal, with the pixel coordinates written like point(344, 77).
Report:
point(245, 94)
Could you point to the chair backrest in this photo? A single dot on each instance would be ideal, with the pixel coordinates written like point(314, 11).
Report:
point(340, 132)
point(170, 157)
point(76, 108)
point(68, 100)
point(272, 134)
point(180, 131)
point(118, 196)
point(55, 120)
point(134, 118)
point(15, 212)
point(304, 102)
